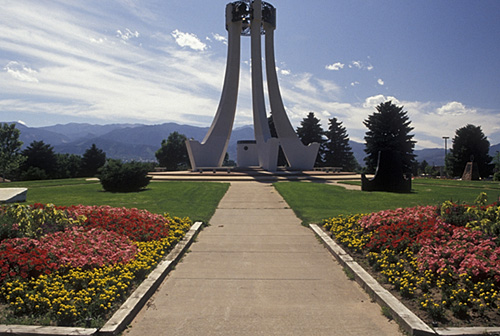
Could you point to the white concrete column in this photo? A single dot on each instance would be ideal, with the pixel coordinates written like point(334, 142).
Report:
point(267, 147)
point(211, 152)
point(299, 157)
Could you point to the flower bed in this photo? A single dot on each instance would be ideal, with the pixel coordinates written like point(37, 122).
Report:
point(74, 266)
point(443, 261)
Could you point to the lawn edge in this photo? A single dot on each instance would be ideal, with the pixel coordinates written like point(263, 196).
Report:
point(128, 310)
point(407, 320)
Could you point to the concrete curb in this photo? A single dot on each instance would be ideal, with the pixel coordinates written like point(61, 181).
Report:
point(408, 321)
point(129, 309)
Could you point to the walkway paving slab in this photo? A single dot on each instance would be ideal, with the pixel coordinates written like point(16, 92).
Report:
point(257, 271)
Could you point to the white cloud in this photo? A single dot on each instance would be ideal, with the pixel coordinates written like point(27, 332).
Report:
point(380, 81)
point(21, 72)
point(373, 101)
point(355, 83)
point(356, 64)
point(220, 38)
point(127, 34)
point(360, 65)
point(454, 109)
point(335, 66)
point(188, 40)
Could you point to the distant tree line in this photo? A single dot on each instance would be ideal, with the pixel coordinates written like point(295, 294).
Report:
point(38, 161)
point(389, 128)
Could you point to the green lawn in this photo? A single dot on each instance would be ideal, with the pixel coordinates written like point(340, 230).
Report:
point(313, 202)
point(196, 200)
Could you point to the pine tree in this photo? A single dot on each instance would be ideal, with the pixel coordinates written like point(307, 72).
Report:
point(388, 129)
point(337, 151)
point(310, 131)
point(93, 159)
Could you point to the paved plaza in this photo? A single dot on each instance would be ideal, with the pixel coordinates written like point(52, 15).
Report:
point(257, 271)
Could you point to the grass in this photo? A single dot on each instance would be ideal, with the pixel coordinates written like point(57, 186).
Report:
point(196, 200)
point(313, 202)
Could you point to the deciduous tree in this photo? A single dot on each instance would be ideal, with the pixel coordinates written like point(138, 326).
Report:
point(469, 143)
point(10, 149)
point(173, 153)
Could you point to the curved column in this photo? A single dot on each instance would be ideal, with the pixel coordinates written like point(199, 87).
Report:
point(299, 156)
point(267, 147)
point(211, 151)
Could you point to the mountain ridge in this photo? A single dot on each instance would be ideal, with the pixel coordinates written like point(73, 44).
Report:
point(140, 141)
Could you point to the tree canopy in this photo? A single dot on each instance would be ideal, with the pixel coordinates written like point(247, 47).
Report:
point(389, 129)
point(337, 151)
point(93, 159)
point(173, 153)
point(469, 144)
point(41, 161)
point(10, 149)
point(310, 131)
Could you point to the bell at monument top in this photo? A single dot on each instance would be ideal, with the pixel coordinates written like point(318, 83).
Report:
point(244, 11)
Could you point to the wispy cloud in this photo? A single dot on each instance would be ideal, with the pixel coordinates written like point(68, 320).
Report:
point(71, 60)
point(21, 72)
point(127, 34)
point(380, 82)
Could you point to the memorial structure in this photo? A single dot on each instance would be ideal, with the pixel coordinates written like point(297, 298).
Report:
point(252, 18)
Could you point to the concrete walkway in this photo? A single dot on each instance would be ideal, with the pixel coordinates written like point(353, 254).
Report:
point(257, 271)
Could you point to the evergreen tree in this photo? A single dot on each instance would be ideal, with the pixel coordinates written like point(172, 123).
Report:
point(388, 129)
point(10, 149)
point(93, 159)
point(469, 144)
point(41, 161)
point(173, 153)
point(310, 131)
point(337, 151)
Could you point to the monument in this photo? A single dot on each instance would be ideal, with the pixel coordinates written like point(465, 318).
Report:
point(389, 175)
point(252, 18)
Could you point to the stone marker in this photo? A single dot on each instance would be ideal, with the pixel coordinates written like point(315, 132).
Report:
point(13, 195)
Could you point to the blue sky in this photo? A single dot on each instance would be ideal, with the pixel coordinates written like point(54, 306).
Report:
point(156, 61)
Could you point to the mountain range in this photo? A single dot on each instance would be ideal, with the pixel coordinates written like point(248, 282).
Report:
point(140, 142)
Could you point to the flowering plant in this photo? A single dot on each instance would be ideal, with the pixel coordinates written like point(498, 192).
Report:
point(78, 271)
point(441, 256)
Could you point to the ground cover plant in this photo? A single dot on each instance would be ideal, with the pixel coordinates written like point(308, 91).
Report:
point(312, 202)
point(74, 265)
point(196, 200)
point(444, 260)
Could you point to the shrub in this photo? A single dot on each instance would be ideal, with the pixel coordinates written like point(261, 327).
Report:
point(496, 177)
point(116, 176)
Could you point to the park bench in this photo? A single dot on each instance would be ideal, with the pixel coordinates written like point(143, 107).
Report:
point(212, 169)
point(328, 169)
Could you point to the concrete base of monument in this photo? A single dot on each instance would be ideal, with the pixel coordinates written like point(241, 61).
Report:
point(235, 174)
point(13, 195)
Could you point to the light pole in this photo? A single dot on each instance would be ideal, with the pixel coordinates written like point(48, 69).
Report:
point(445, 150)
point(445, 146)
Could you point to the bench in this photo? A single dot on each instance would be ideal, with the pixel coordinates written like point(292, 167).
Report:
point(328, 169)
point(212, 169)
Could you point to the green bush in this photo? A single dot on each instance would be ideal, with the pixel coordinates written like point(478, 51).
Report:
point(116, 176)
point(496, 177)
